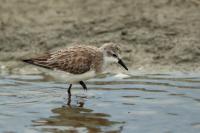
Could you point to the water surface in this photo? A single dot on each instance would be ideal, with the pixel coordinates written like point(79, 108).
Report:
point(156, 103)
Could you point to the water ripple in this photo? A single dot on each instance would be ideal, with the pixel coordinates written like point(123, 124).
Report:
point(113, 103)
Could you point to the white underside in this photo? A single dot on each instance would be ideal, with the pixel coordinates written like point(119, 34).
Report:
point(74, 78)
point(70, 78)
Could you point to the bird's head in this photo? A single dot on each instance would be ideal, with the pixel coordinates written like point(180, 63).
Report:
point(111, 53)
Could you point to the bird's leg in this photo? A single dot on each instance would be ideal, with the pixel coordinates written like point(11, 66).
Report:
point(69, 95)
point(83, 85)
point(69, 100)
point(69, 90)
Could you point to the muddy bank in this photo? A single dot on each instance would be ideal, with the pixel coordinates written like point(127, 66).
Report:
point(156, 35)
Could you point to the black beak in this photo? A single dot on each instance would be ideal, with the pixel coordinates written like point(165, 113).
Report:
point(122, 63)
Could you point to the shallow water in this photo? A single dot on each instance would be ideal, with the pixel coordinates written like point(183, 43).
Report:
point(157, 103)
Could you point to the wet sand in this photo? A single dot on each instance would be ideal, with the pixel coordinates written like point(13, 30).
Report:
point(156, 35)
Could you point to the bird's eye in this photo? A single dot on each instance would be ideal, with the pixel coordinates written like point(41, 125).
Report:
point(114, 55)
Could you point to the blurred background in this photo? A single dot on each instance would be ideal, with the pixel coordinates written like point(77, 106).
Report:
point(160, 42)
point(156, 35)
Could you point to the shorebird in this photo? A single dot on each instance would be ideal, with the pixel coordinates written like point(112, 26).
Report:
point(79, 62)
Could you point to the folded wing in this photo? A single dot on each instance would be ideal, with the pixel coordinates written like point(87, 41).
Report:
point(72, 60)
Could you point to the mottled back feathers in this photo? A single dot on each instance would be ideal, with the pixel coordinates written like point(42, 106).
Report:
point(75, 60)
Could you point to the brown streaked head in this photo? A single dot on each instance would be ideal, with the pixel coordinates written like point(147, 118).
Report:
point(112, 52)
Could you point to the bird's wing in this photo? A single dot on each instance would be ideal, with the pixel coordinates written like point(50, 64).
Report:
point(72, 60)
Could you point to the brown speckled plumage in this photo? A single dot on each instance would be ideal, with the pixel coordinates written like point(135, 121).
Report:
point(75, 60)
point(82, 62)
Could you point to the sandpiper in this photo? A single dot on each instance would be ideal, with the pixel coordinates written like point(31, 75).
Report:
point(80, 62)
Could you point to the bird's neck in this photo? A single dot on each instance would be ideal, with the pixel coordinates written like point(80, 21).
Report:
point(98, 62)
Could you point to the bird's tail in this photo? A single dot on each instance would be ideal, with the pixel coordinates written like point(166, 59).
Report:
point(30, 61)
point(36, 63)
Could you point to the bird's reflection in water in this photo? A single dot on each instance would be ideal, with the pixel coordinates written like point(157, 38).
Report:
point(76, 118)
point(80, 102)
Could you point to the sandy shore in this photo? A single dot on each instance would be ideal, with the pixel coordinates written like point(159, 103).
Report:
point(156, 35)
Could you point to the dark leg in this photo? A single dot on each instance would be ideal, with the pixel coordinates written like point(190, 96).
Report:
point(83, 85)
point(69, 90)
point(69, 100)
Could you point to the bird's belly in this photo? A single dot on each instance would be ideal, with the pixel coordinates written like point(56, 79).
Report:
point(71, 78)
point(79, 77)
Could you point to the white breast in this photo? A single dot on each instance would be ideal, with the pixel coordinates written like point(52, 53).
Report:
point(70, 78)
